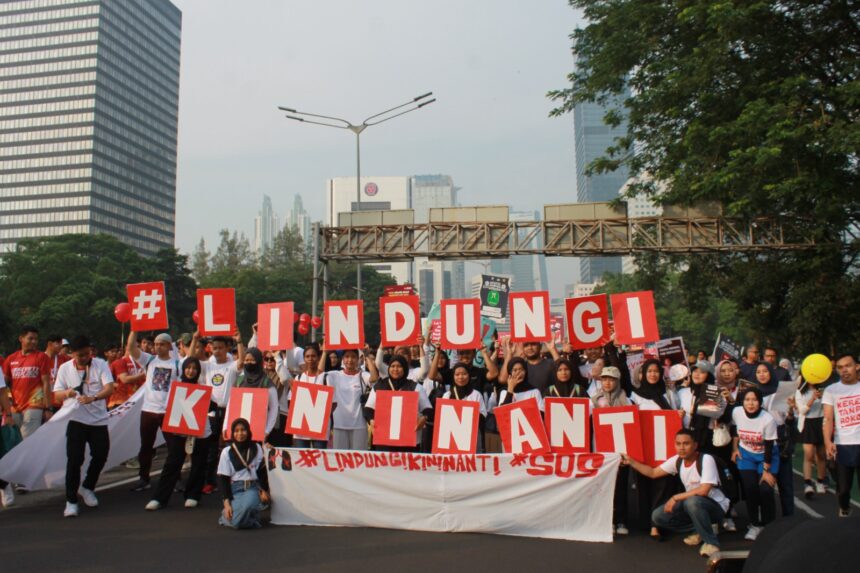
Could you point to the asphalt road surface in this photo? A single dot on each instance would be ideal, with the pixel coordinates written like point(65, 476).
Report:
point(120, 535)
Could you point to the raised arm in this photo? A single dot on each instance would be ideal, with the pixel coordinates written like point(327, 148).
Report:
point(552, 350)
point(131, 347)
point(371, 368)
point(492, 367)
point(381, 368)
point(240, 351)
point(425, 366)
point(433, 373)
point(503, 373)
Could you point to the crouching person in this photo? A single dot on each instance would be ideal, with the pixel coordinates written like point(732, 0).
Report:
point(243, 479)
point(702, 504)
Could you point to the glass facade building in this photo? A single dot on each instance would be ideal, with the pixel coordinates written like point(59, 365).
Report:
point(89, 102)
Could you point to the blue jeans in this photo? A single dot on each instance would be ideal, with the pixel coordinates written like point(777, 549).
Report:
point(246, 506)
point(694, 513)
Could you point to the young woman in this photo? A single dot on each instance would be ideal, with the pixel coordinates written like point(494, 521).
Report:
point(694, 396)
point(768, 384)
point(756, 454)
point(397, 380)
point(610, 395)
point(810, 420)
point(518, 387)
point(254, 376)
point(462, 389)
point(349, 430)
point(313, 374)
point(651, 395)
point(243, 479)
point(177, 448)
point(333, 362)
point(280, 376)
point(566, 381)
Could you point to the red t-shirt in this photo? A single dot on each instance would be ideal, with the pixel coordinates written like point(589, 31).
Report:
point(121, 390)
point(24, 378)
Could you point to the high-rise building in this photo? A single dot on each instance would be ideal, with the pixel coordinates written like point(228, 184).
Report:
point(528, 272)
point(638, 206)
point(266, 227)
point(300, 222)
point(89, 101)
point(592, 137)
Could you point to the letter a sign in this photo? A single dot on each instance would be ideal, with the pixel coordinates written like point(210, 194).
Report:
point(217, 311)
point(187, 409)
point(521, 429)
point(275, 326)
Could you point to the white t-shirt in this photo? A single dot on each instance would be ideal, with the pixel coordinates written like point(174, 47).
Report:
point(160, 374)
point(221, 377)
point(225, 466)
point(691, 479)
point(347, 395)
point(802, 399)
point(753, 432)
point(475, 396)
point(845, 399)
point(648, 404)
point(2, 379)
point(518, 397)
point(97, 377)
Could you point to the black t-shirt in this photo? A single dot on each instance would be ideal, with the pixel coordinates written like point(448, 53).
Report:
point(540, 374)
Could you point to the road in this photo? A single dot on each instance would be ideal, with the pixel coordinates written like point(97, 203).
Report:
point(120, 535)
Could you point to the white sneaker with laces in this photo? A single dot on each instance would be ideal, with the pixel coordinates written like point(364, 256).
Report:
point(820, 488)
point(89, 497)
point(753, 533)
point(7, 496)
point(71, 510)
point(153, 505)
point(190, 503)
point(729, 524)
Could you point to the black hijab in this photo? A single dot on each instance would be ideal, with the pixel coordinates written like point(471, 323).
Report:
point(255, 376)
point(654, 392)
point(742, 395)
point(771, 386)
point(458, 392)
point(185, 364)
point(404, 364)
point(247, 449)
point(576, 386)
point(523, 386)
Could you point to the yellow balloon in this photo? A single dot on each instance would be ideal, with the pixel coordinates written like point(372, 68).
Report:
point(816, 368)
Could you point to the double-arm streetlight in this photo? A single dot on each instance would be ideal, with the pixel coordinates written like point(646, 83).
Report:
point(375, 119)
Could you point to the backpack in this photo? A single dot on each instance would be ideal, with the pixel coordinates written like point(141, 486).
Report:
point(728, 484)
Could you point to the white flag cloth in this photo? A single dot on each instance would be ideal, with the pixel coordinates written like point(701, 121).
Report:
point(39, 462)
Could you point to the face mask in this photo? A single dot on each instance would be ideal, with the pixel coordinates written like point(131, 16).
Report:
point(252, 368)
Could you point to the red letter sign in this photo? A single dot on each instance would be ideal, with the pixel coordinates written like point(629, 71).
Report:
point(310, 409)
point(617, 430)
point(400, 319)
point(635, 317)
point(251, 404)
point(587, 321)
point(567, 424)
point(521, 428)
point(461, 324)
point(275, 326)
point(217, 311)
point(187, 409)
point(530, 317)
point(344, 324)
point(148, 306)
point(396, 420)
point(455, 430)
point(658, 434)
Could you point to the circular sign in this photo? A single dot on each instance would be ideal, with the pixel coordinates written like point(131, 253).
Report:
point(371, 189)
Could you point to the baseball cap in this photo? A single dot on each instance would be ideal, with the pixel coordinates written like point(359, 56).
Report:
point(185, 338)
point(611, 371)
point(705, 366)
point(65, 342)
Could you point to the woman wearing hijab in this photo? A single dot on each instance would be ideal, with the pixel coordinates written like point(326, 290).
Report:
point(254, 376)
point(609, 395)
point(518, 387)
point(650, 394)
point(462, 389)
point(766, 382)
point(397, 381)
point(280, 376)
point(694, 400)
point(566, 381)
point(243, 479)
point(177, 447)
point(756, 454)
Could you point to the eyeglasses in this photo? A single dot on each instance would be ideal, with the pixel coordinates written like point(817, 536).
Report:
point(269, 359)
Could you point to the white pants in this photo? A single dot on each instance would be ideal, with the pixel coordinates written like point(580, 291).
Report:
point(350, 439)
point(28, 421)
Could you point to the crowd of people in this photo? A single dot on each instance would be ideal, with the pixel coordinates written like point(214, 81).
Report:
point(738, 439)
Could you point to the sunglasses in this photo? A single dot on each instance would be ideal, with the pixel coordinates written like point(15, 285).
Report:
point(269, 359)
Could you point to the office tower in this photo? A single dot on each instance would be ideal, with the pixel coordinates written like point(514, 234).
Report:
point(266, 227)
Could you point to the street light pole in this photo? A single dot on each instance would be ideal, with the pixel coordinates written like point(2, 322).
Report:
point(414, 104)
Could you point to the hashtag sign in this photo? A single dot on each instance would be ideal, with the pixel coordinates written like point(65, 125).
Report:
point(148, 306)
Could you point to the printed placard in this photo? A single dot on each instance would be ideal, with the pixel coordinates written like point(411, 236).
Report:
point(634, 317)
point(187, 411)
point(310, 410)
point(617, 430)
point(275, 326)
point(148, 306)
point(216, 309)
point(455, 427)
point(568, 424)
point(400, 320)
point(658, 434)
point(530, 317)
point(461, 324)
point(344, 324)
point(395, 421)
point(587, 321)
point(251, 404)
point(521, 428)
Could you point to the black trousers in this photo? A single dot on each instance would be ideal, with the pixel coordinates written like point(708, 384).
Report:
point(652, 493)
point(619, 504)
point(216, 423)
point(761, 506)
point(78, 436)
point(149, 425)
point(172, 470)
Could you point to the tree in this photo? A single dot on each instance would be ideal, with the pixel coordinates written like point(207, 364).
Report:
point(754, 105)
point(233, 254)
point(200, 261)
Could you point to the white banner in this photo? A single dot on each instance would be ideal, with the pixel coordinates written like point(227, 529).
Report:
point(39, 462)
point(543, 495)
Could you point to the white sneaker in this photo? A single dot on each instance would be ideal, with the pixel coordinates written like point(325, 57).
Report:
point(71, 510)
point(7, 496)
point(693, 539)
point(190, 503)
point(729, 524)
point(707, 549)
point(89, 497)
point(153, 505)
point(808, 491)
point(753, 533)
point(845, 512)
point(820, 488)
point(621, 529)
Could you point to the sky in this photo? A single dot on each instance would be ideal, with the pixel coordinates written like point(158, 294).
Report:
point(489, 63)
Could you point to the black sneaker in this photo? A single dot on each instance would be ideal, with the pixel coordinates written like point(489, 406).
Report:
point(141, 485)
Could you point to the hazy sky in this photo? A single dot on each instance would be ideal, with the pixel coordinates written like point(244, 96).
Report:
point(489, 63)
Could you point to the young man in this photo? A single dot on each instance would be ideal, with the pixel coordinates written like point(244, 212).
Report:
point(539, 368)
point(842, 427)
point(88, 380)
point(749, 363)
point(780, 374)
point(54, 352)
point(28, 375)
point(161, 371)
point(701, 505)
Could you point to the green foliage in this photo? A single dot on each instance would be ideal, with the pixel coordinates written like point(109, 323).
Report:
point(754, 105)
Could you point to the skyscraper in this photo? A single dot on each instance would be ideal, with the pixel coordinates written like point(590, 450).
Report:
point(89, 102)
point(266, 227)
point(592, 137)
point(299, 221)
point(527, 272)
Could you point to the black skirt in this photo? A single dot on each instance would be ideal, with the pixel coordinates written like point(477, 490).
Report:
point(813, 432)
